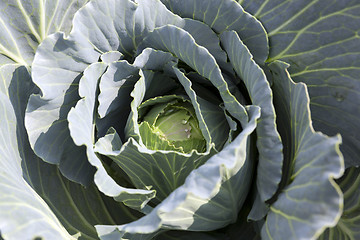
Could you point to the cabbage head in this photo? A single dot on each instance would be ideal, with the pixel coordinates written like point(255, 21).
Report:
point(179, 119)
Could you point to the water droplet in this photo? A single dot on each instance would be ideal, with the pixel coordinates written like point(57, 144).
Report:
point(186, 130)
point(184, 121)
point(339, 97)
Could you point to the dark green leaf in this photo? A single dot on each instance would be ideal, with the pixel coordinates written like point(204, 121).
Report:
point(311, 201)
point(223, 15)
point(320, 40)
point(81, 125)
point(269, 142)
point(46, 115)
point(23, 214)
point(23, 26)
point(77, 208)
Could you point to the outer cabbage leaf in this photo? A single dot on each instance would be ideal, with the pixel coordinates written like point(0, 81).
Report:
point(320, 40)
point(269, 142)
point(59, 95)
point(313, 161)
point(225, 15)
point(81, 124)
point(24, 25)
point(114, 98)
point(23, 214)
point(77, 208)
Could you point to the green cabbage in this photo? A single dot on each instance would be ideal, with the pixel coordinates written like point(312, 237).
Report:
point(169, 119)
